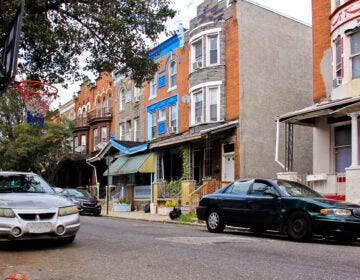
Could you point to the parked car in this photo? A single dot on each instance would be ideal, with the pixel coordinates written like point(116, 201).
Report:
point(30, 209)
point(289, 207)
point(84, 200)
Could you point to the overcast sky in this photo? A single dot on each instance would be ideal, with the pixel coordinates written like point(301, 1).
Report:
point(298, 9)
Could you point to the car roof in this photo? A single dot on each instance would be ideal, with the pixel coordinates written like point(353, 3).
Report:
point(16, 173)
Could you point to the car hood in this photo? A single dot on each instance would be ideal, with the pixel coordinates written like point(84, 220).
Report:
point(32, 200)
point(336, 203)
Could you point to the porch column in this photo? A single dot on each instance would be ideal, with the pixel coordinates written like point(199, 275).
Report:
point(354, 139)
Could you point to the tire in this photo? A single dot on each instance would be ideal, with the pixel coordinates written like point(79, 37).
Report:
point(299, 227)
point(215, 222)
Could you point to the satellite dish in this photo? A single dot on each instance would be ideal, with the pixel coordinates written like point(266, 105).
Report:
point(185, 99)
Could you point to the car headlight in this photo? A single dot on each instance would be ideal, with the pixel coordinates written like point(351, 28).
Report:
point(64, 211)
point(7, 213)
point(337, 212)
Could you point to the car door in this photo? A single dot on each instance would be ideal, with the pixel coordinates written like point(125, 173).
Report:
point(234, 203)
point(263, 208)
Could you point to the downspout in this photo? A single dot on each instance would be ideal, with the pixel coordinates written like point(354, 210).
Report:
point(277, 143)
point(96, 180)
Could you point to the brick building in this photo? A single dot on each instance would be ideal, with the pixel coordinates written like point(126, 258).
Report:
point(333, 117)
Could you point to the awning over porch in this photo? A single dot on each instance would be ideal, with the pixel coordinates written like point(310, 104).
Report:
point(332, 108)
point(116, 166)
point(142, 163)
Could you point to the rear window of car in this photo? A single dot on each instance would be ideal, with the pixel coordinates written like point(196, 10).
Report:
point(239, 188)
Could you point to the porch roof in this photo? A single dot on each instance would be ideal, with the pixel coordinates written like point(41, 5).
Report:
point(125, 148)
point(194, 136)
point(331, 108)
point(142, 163)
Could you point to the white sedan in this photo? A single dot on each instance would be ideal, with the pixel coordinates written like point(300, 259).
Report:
point(30, 209)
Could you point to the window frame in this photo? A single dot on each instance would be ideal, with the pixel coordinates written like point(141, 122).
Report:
point(172, 75)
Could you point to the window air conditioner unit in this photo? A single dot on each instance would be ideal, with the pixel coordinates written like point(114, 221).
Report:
point(137, 98)
point(197, 65)
point(172, 129)
point(337, 81)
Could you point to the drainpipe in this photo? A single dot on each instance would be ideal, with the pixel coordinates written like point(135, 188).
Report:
point(277, 143)
point(96, 180)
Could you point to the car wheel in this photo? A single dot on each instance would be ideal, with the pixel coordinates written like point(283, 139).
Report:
point(215, 222)
point(299, 226)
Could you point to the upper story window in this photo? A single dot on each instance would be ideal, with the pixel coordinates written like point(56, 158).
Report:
point(122, 131)
point(213, 44)
point(137, 92)
point(109, 101)
point(136, 130)
point(153, 88)
point(172, 75)
point(355, 54)
point(162, 114)
point(128, 131)
point(122, 99)
point(205, 105)
point(338, 58)
point(152, 125)
point(210, 42)
point(104, 134)
point(173, 116)
point(96, 138)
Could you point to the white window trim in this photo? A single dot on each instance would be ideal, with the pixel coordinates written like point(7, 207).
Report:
point(207, 101)
point(170, 75)
point(208, 37)
point(152, 88)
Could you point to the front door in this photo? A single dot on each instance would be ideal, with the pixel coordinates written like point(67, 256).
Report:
point(229, 168)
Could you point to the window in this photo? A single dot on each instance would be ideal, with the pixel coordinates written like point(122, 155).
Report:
point(342, 147)
point(109, 101)
point(76, 141)
point(153, 88)
point(196, 55)
point(142, 192)
point(122, 99)
point(213, 50)
point(104, 134)
point(136, 130)
point(205, 107)
point(128, 97)
point(238, 188)
point(338, 58)
point(152, 125)
point(128, 131)
point(172, 75)
point(98, 108)
point(198, 97)
point(355, 54)
point(173, 115)
point(137, 92)
point(162, 114)
point(96, 138)
point(83, 140)
point(213, 98)
point(122, 131)
point(258, 189)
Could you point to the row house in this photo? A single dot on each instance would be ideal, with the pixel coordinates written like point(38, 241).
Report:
point(218, 86)
point(333, 117)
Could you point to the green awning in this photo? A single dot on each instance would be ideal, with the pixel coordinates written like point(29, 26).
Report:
point(144, 163)
point(115, 166)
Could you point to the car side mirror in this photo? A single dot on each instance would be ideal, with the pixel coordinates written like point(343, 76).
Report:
point(271, 192)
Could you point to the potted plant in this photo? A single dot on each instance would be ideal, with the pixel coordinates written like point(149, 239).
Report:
point(123, 205)
point(168, 207)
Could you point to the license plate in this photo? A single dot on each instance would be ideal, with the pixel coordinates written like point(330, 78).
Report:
point(39, 227)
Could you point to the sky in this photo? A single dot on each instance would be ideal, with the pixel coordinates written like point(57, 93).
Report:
point(297, 9)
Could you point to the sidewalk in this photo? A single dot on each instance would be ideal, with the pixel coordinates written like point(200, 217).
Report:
point(135, 215)
point(141, 215)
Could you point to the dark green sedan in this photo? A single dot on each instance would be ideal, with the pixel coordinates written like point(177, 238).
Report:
point(286, 206)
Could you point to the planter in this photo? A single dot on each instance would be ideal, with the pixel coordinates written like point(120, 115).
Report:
point(164, 210)
point(122, 207)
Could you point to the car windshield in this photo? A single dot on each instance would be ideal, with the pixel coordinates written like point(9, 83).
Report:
point(24, 183)
point(79, 193)
point(296, 189)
